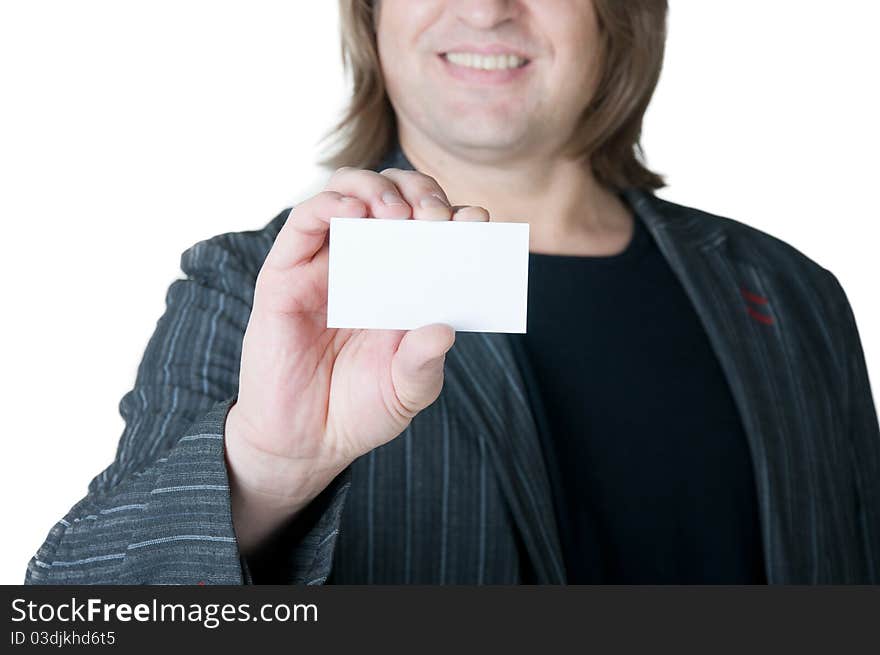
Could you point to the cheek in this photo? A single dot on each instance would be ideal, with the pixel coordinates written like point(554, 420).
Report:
point(396, 66)
point(401, 24)
point(391, 60)
point(391, 31)
point(571, 29)
point(576, 69)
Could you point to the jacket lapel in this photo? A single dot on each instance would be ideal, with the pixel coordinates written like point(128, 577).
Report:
point(745, 340)
point(487, 386)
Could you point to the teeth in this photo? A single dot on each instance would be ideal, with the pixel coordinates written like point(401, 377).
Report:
point(485, 62)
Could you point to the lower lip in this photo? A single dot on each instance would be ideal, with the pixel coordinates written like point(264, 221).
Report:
point(481, 76)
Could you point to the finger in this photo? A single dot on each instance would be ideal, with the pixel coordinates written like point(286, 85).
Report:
point(417, 366)
point(379, 192)
point(424, 195)
point(305, 229)
point(470, 213)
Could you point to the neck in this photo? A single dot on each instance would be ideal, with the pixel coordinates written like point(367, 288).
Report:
point(569, 212)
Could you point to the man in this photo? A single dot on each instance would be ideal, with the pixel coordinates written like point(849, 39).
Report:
point(690, 403)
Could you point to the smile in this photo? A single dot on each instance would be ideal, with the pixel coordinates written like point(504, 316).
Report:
point(482, 69)
point(485, 62)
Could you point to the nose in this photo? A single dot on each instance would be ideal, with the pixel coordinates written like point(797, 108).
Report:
point(486, 14)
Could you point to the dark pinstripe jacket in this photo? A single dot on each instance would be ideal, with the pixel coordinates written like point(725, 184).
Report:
point(463, 496)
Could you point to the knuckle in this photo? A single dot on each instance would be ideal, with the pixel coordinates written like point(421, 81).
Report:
point(429, 186)
point(413, 177)
point(423, 179)
point(316, 200)
point(349, 177)
point(428, 179)
point(296, 211)
point(431, 190)
point(426, 190)
point(415, 184)
point(403, 406)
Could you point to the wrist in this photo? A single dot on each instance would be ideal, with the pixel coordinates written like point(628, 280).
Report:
point(267, 489)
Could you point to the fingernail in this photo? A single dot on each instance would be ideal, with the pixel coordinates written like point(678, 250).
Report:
point(350, 199)
point(432, 201)
point(391, 198)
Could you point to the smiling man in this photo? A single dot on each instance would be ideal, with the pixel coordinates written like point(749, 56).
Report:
point(690, 403)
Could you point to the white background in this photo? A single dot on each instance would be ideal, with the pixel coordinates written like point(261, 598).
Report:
point(131, 130)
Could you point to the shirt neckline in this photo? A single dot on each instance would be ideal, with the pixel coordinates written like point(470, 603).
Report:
point(637, 245)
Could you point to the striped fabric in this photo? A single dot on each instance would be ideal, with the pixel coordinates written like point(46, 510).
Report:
point(463, 495)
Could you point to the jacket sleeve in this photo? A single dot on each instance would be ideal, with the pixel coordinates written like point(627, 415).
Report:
point(864, 434)
point(160, 512)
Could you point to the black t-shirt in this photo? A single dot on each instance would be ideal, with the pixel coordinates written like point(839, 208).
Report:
point(651, 470)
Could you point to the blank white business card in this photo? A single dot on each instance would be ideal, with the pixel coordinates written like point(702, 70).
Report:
point(403, 274)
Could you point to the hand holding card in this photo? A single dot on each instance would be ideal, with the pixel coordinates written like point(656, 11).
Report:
point(312, 398)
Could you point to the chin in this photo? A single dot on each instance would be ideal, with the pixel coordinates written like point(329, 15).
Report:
point(479, 124)
point(488, 137)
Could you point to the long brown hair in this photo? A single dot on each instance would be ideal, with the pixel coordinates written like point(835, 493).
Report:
point(633, 40)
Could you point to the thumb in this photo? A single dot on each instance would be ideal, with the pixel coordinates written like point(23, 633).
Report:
point(417, 366)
